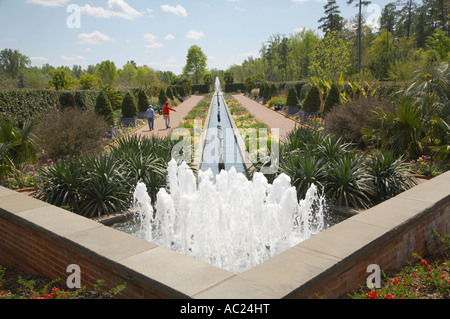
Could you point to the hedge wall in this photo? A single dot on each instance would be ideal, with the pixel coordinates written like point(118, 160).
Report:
point(21, 105)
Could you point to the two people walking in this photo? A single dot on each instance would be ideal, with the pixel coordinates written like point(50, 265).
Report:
point(150, 114)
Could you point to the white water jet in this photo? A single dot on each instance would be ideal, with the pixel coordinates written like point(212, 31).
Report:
point(232, 223)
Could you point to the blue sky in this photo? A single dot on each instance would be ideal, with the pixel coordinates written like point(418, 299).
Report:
point(157, 33)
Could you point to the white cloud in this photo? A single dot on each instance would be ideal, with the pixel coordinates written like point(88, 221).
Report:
point(178, 10)
point(38, 58)
point(170, 64)
point(195, 35)
point(151, 41)
point(169, 37)
point(116, 8)
point(48, 3)
point(94, 38)
point(78, 59)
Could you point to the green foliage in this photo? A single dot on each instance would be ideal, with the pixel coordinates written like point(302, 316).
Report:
point(331, 57)
point(143, 101)
point(103, 108)
point(332, 99)
point(60, 80)
point(129, 107)
point(169, 93)
point(292, 98)
point(195, 63)
point(89, 82)
point(312, 101)
point(17, 147)
point(162, 98)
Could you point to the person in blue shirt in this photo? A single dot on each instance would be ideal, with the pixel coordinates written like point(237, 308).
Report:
point(150, 117)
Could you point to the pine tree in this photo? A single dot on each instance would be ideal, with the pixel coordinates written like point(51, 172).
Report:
point(103, 108)
point(292, 98)
point(332, 20)
point(312, 100)
point(129, 107)
point(359, 4)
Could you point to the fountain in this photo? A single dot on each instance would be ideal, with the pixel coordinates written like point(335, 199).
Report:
point(232, 223)
point(223, 218)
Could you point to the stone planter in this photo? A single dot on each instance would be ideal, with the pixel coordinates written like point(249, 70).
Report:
point(128, 121)
point(141, 115)
point(112, 132)
point(291, 110)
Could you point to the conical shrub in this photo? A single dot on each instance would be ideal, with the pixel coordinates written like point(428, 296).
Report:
point(333, 98)
point(143, 102)
point(103, 108)
point(129, 107)
point(312, 100)
point(292, 98)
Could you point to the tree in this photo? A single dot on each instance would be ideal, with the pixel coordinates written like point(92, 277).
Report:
point(60, 79)
point(162, 99)
point(103, 108)
point(331, 57)
point(13, 62)
point(195, 63)
point(312, 100)
point(228, 77)
point(292, 98)
point(440, 43)
point(332, 99)
point(406, 14)
point(332, 20)
point(88, 82)
point(388, 17)
point(129, 107)
point(107, 72)
point(143, 101)
point(359, 4)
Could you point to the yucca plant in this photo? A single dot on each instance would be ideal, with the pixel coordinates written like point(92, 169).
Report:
point(60, 183)
point(19, 146)
point(105, 189)
point(304, 169)
point(390, 176)
point(347, 182)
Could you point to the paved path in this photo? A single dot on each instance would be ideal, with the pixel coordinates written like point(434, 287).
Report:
point(268, 116)
point(175, 118)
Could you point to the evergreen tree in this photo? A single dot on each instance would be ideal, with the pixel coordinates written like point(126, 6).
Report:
point(312, 100)
point(273, 91)
point(333, 98)
point(162, 99)
point(143, 101)
point(129, 107)
point(292, 98)
point(359, 4)
point(103, 108)
point(169, 93)
point(332, 20)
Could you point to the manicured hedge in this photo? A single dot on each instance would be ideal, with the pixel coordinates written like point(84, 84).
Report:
point(22, 105)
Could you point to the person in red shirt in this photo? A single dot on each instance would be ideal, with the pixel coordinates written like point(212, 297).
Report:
point(166, 113)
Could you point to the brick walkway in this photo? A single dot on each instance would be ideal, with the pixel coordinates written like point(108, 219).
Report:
point(267, 116)
point(175, 118)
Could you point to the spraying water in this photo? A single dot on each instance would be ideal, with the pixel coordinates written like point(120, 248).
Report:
point(230, 222)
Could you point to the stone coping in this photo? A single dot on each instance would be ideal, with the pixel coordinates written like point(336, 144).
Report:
point(283, 276)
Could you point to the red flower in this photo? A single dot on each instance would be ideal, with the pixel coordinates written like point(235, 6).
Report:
point(372, 295)
point(395, 281)
point(389, 296)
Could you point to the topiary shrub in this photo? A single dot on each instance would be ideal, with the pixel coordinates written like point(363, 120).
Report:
point(273, 92)
point(162, 99)
point(333, 98)
point(129, 107)
point(312, 100)
point(292, 98)
point(143, 101)
point(103, 108)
